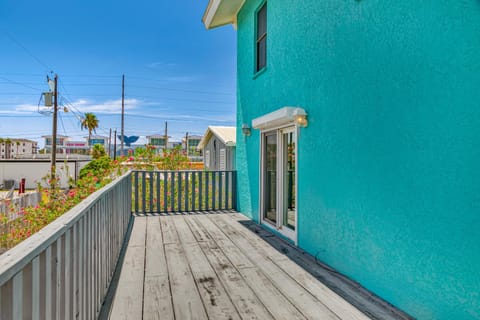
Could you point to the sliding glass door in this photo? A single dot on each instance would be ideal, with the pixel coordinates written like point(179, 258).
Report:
point(279, 180)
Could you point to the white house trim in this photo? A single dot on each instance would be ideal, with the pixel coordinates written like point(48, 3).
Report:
point(221, 12)
point(280, 117)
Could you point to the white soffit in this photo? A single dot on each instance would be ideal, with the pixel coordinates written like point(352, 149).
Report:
point(221, 12)
point(280, 117)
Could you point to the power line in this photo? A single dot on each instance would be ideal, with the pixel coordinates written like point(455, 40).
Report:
point(47, 68)
point(19, 83)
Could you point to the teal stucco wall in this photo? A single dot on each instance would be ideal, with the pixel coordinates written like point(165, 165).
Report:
point(389, 166)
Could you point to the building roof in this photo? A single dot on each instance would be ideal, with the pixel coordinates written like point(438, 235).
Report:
point(227, 135)
point(58, 136)
point(221, 12)
point(19, 140)
point(96, 136)
point(154, 136)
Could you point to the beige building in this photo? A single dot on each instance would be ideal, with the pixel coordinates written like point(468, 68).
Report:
point(11, 148)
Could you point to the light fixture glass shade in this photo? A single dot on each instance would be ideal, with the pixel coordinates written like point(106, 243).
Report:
point(246, 130)
point(301, 120)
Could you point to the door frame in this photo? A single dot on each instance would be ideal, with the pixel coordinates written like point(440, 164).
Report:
point(278, 228)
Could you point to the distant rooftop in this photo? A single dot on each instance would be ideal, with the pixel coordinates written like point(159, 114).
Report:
point(226, 134)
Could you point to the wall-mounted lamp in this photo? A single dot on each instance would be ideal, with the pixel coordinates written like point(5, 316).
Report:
point(246, 130)
point(301, 120)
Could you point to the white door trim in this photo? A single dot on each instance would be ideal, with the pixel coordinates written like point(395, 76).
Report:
point(279, 131)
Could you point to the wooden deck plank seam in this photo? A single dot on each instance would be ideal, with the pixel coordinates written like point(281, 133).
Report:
point(190, 269)
point(144, 267)
point(377, 308)
point(237, 271)
point(168, 271)
point(241, 274)
point(216, 273)
point(281, 270)
point(260, 270)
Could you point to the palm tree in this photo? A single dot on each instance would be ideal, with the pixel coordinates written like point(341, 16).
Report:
point(8, 142)
point(89, 122)
point(18, 144)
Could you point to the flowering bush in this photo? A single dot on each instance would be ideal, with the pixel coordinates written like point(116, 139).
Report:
point(56, 202)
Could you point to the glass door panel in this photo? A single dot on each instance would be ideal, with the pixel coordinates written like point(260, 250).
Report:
point(270, 177)
point(289, 187)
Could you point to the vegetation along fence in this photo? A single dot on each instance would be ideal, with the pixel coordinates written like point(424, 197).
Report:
point(64, 270)
point(183, 191)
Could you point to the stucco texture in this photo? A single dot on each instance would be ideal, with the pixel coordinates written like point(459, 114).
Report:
point(389, 165)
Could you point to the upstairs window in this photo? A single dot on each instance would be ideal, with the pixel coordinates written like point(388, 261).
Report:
point(261, 38)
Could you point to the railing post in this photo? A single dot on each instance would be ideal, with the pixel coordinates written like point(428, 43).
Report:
point(200, 188)
point(179, 200)
point(207, 188)
point(144, 192)
point(172, 191)
point(214, 189)
point(152, 175)
point(194, 173)
point(165, 189)
point(234, 190)
point(187, 173)
point(158, 193)
point(135, 186)
point(227, 188)
point(220, 189)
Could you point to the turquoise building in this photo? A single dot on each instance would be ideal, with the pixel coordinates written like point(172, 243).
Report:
point(358, 138)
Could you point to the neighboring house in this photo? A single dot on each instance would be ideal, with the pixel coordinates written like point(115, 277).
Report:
point(218, 146)
point(61, 143)
point(375, 170)
point(17, 148)
point(192, 144)
point(158, 141)
point(97, 139)
point(76, 147)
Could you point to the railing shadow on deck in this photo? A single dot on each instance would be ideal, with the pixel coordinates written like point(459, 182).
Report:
point(350, 290)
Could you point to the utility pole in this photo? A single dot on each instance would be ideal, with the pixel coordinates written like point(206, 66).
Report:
point(110, 143)
point(115, 145)
point(54, 131)
point(123, 113)
point(186, 143)
point(166, 135)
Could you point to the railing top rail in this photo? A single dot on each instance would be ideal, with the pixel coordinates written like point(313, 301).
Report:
point(19, 256)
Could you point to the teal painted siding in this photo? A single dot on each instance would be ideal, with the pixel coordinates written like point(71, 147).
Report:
point(389, 166)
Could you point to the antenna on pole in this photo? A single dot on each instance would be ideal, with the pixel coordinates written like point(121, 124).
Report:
point(166, 135)
point(110, 143)
point(115, 145)
point(123, 115)
point(54, 129)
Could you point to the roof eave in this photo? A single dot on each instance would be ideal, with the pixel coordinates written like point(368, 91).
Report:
point(221, 12)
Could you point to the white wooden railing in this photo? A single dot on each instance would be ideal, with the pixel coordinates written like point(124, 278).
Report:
point(64, 270)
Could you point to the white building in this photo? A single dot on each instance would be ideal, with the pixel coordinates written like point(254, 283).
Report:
point(11, 148)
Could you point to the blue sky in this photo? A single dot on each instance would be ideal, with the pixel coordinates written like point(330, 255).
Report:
point(175, 70)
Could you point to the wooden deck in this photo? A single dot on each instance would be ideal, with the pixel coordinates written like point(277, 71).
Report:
point(221, 266)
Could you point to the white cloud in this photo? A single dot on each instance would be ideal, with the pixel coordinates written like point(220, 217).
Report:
point(160, 65)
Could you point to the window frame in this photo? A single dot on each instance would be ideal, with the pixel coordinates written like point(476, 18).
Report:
point(262, 38)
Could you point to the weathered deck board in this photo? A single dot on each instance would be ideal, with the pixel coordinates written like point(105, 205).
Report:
point(129, 295)
point(301, 298)
point(351, 291)
point(244, 298)
point(157, 303)
point(217, 266)
point(187, 302)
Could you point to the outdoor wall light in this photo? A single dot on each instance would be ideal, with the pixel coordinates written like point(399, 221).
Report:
point(247, 131)
point(301, 120)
